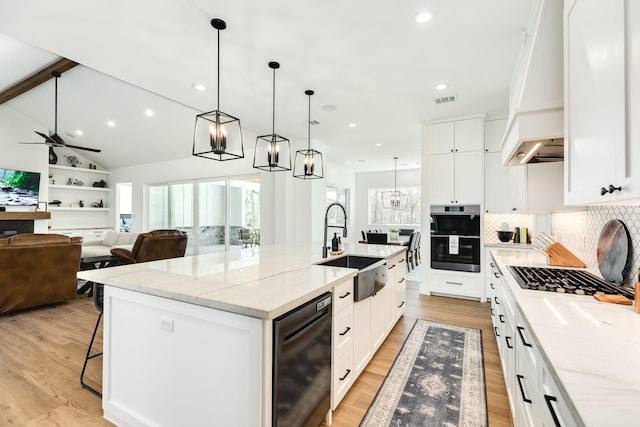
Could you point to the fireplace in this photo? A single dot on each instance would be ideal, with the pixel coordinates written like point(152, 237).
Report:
point(10, 227)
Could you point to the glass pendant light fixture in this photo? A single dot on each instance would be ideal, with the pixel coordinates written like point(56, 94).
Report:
point(308, 163)
point(218, 135)
point(273, 152)
point(394, 199)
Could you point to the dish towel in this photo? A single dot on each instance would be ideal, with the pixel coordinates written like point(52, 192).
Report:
point(454, 245)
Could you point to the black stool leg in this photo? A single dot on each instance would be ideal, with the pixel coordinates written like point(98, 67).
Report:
point(86, 359)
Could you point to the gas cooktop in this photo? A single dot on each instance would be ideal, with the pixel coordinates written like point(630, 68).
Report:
point(558, 280)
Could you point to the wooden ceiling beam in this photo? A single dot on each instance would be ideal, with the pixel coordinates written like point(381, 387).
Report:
point(36, 79)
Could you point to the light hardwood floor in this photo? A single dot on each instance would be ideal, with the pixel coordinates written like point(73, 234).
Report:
point(42, 351)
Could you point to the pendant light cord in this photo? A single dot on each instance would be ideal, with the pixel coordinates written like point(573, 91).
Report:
point(273, 106)
point(55, 125)
point(309, 126)
point(218, 70)
point(395, 175)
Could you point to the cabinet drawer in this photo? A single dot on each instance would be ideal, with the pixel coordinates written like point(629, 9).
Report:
point(343, 331)
point(343, 378)
point(553, 408)
point(400, 299)
point(457, 285)
point(525, 343)
point(343, 295)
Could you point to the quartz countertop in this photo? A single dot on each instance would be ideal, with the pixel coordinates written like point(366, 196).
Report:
point(262, 282)
point(509, 245)
point(591, 347)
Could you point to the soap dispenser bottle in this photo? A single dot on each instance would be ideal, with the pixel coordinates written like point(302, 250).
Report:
point(334, 243)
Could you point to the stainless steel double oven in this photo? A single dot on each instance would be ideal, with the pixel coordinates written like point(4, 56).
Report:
point(455, 238)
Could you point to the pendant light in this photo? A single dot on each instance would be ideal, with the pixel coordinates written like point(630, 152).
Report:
point(218, 135)
point(308, 163)
point(273, 152)
point(394, 199)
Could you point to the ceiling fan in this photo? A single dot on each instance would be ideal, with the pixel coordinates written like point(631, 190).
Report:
point(54, 140)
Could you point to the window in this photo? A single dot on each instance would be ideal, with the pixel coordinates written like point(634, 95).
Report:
point(212, 213)
point(378, 215)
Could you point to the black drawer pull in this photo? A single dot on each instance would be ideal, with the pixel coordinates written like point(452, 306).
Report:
point(507, 339)
point(492, 312)
point(495, 328)
point(345, 331)
point(496, 274)
point(346, 375)
point(492, 264)
point(401, 280)
point(524, 398)
point(401, 260)
point(492, 287)
point(501, 317)
point(524, 341)
point(345, 295)
point(549, 399)
point(392, 266)
point(454, 283)
point(401, 304)
point(496, 300)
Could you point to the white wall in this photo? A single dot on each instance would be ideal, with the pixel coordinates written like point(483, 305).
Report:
point(367, 180)
point(15, 127)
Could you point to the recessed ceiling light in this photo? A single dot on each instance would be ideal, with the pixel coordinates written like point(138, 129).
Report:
point(378, 144)
point(199, 86)
point(329, 107)
point(79, 132)
point(346, 162)
point(424, 16)
point(148, 112)
point(442, 86)
point(111, 123)
point(361, 161)
point(352, 125)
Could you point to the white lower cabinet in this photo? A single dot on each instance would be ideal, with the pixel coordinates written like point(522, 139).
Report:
point(534, 397)
point(456, 283)
point(342, 369)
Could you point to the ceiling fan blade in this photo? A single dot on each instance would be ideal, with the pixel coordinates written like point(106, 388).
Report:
point(95, 150)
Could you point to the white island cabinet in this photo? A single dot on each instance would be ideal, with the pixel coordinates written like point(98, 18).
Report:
point(188, 341)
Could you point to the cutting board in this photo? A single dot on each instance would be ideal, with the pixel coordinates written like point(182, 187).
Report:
point(614, 251)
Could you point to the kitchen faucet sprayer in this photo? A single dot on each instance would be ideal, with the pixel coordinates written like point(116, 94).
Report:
point(325, 253)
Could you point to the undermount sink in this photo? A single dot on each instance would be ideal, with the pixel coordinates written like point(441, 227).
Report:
point(372, 274)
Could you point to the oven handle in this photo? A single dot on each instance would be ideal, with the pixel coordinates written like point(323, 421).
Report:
point(462, 236)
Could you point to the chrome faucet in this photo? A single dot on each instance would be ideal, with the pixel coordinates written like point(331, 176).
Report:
point(325, 253)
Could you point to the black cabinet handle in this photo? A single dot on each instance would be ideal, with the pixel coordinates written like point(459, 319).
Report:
point(492, 265)
point(345, 331)
point(501, 317)
point(345, 375)
point(401, 280)
point(492, 287)
point(609, 190)
point(496, 274)
point(391, 266)
point(507, 339)
point(524, 341)
point(495, 328)
point(345, 295)
point(492, 312)
point(550, 399)
point(401, 304)
point(524, 398)
point(401, 260)
point(496, 300)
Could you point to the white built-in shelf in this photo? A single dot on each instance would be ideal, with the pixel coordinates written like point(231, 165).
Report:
point(76, 169)
point(79, 187)
point(88, 209)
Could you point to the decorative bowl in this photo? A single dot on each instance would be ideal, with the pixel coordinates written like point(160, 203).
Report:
point(504, 236)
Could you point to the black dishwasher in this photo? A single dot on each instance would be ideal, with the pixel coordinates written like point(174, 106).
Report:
point(302, 364)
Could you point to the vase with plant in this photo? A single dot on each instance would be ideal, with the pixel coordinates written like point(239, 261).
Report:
point(394, 233)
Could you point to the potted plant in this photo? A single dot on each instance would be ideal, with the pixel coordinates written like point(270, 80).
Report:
point(394, 233)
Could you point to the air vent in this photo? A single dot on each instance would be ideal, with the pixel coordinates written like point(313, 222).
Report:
point(312, 122)
point(445, 99)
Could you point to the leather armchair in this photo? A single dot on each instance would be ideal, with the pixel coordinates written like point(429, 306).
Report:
point(38, 269)
point(154, 245)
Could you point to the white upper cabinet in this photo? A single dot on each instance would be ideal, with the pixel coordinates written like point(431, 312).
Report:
point(602, 99)
point(454, 158)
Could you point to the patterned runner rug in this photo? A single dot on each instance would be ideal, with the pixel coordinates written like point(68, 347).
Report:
point(436, 380)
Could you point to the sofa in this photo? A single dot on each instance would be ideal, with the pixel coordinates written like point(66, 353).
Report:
point(153, 246)
point(112, 240)
point(38, 269)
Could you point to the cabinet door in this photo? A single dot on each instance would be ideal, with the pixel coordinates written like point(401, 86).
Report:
point(493, 134)
point(361, 337)
point(594, 98)
point(440, 172)
point(469, 135)
point(503, 185)
point(440, 138)
point(468, 180)
point(378, 317)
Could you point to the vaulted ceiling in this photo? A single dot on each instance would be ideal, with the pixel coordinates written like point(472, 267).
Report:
point(370, 63)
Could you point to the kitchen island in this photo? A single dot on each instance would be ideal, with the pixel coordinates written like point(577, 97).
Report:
point(188, 341)
point(577, 360)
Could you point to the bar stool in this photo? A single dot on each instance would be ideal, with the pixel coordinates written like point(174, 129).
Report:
point(98, 300)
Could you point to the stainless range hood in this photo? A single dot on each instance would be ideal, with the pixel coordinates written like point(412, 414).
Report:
point(535, 129)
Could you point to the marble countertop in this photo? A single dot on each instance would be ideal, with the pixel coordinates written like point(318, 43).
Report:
point(592, 347)
point(509, 245)
point(262, 282)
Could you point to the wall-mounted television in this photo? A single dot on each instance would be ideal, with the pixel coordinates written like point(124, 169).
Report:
point(19, 188)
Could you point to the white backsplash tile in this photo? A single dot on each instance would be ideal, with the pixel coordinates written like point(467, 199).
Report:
point(579, 232)
point(492, 223)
